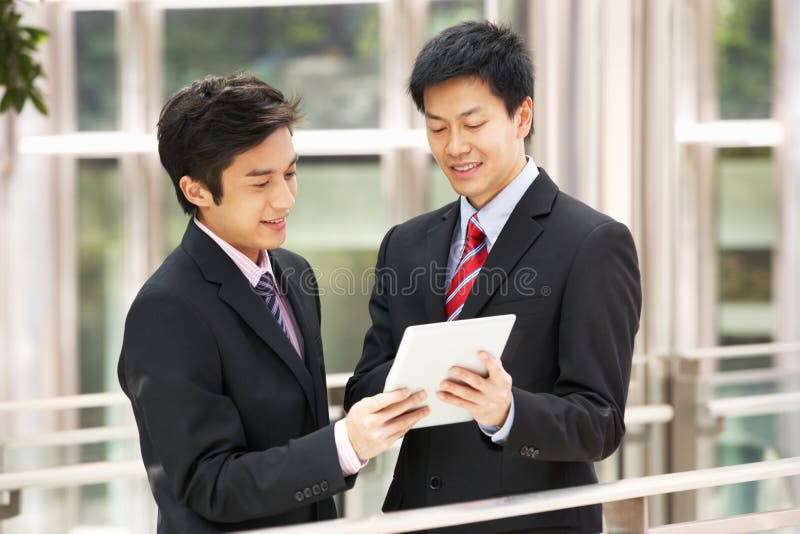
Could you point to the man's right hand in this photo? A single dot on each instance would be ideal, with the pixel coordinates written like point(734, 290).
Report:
point(374, 423)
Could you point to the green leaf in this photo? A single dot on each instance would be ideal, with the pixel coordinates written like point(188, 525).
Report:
point(38, 101)
point(26, 66)
point(36, 35)
point(6, 102)
point(19, 69)
point(19, 96)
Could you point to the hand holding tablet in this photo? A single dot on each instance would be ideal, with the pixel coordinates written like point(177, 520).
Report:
point(427, 353)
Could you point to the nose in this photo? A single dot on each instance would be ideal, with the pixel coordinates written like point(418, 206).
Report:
point(456, 145)
point(284, 196)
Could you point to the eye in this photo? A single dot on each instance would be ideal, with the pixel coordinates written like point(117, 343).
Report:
point(436, 130)
point(290, 175)
point(261, 185)
point(475, 126)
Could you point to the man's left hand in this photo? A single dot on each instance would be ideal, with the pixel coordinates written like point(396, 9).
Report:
point(487, 399)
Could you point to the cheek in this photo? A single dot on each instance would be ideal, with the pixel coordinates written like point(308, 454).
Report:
point(493, 147)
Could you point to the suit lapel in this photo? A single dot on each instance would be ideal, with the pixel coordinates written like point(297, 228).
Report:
point(305, 313)
point(437, 249)
point(235, 291)
point(518, 235)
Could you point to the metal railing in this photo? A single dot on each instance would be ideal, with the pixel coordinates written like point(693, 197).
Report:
point(736, 351)
point(625, 504)
point(628, 513)
point(700, 416)
point(101, 472)
point(749, 405)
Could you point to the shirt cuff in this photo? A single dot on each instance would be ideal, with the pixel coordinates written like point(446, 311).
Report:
point(348, 459)
point(499, 435)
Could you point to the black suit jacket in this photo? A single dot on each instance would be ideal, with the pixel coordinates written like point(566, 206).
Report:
point(570, 275)
point(233, 425)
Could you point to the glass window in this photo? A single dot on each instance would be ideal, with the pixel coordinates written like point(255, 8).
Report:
point(745, 58)
point(337, 224)
point(445, 13)
point(96, 65)
point(328, 54)
point(101, 316)
point(343, 193)
point(746, 233)
point(100, 272)
point(515, 14)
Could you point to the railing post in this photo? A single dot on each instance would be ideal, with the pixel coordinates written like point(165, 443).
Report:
point(9, 505)
point(626, 517)
point(694, 432)
point(9, 500)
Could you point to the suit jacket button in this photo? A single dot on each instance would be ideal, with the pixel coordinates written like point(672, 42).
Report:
point(315, 488)
point(435, 483)
point(307, 493)
point(324, 485)
point(299, 496)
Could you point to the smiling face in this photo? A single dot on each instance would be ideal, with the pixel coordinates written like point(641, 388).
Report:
point(478, 146)
point(258, 192)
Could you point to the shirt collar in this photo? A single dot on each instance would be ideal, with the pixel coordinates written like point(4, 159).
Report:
point(250, 270)
point(495, 213)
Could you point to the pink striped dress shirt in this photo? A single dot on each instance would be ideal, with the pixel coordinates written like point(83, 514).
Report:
point(348, 459)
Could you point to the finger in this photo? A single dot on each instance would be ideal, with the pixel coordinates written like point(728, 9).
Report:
point(493, 365)
point(393, 410)
point(470, 377)
point(380, 401)
point(403, 423)
point(444, 396)
point(458, 390)
point(403, 430)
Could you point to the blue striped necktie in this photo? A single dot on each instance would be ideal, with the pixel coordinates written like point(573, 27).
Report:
point(265, 288)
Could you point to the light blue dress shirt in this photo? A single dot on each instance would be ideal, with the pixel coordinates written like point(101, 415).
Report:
point(493, 217)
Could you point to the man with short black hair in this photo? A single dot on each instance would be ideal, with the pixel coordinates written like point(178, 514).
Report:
point(511, 244)
point(222, 352)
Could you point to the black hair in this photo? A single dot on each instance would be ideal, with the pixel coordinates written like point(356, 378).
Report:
point(490, 52)
point(204, 126)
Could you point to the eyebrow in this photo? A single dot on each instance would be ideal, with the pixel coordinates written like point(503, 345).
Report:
point(267, 172)
point(470, 111)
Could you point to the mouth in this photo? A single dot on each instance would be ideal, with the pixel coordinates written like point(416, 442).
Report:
point(275, 224)
point(465, 169)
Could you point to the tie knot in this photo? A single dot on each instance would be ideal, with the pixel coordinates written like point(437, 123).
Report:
point(265, 285)
point(475, 231)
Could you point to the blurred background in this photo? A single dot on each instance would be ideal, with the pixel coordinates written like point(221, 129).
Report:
point(680, 118)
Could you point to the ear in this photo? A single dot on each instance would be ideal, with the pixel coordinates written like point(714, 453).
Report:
point(195, 192)
point(524, 117)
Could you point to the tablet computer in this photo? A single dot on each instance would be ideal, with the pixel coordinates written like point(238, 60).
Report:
point(428, 351)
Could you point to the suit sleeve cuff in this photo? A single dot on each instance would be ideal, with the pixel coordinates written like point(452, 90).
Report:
point(499, 435)
point(348, 459)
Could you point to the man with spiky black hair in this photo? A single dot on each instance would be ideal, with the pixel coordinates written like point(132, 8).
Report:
point(554, 401)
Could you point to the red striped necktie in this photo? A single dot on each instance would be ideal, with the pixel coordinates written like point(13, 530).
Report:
point(472, 260)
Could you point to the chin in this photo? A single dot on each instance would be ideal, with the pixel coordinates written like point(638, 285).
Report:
point(275, 243)
point(469, 192)
point(460, 187)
